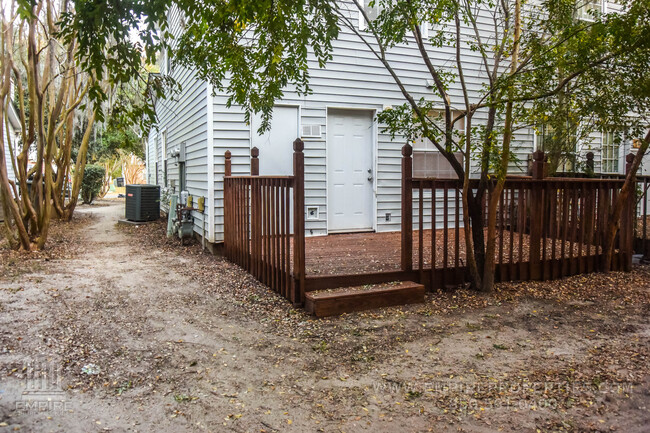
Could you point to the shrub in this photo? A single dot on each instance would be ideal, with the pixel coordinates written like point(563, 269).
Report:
point(92, 182)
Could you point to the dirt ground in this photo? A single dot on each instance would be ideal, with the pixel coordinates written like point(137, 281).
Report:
point(140, 334)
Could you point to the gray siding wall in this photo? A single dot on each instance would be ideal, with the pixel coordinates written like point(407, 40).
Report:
point(354, 78)
point(182, 117)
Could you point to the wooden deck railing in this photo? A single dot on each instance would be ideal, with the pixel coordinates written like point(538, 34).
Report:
point(641, 229)
point(258, 211)
point(640, 218)
point(546, 227)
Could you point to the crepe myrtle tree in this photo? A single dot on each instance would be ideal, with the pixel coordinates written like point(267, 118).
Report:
point(60, 62)
point(532, 55)
point(40, 78)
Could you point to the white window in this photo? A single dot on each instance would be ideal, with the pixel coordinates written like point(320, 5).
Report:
point(424, 30)
point(547, 141)
point(543, 137)
point(609, 152)
point(427, 159)
point(429, 162)
point(163, 148)
point(165, 62)
point(373, 12)
point(163, 144)
point(586, 9)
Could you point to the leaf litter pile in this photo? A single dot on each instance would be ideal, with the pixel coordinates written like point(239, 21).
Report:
point(64, 242)
point(212, 349)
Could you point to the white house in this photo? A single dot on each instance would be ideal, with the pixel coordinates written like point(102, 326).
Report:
point(352, 168)
point(10, 138)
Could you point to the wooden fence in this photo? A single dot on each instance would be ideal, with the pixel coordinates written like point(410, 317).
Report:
point(257, 225)
point(546, 228)
point(640, 218)
point(642, 231)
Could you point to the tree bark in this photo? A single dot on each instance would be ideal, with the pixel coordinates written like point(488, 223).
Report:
point(494, 194)
point(21, 229)
point(475, 215)
point(622, 200)
point(79, 169)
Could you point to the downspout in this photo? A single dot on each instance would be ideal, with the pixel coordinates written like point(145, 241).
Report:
point(210, 205)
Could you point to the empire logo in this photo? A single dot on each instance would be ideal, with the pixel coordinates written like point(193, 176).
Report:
point(42, 389)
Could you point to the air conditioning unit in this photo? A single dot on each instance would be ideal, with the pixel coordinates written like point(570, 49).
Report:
point(142, 202)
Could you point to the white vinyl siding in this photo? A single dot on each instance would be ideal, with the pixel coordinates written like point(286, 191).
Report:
point(182, 118)
point(353, 79)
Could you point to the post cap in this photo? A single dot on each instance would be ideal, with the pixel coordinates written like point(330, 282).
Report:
point(538, 156)
point(255, 152)
point(407, 150)
point(590, 156)
point(630, 158)
point(298, 145)
point(228, 154)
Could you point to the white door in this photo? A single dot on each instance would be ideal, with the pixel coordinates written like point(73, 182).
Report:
point(276, 145)
point(350, 174)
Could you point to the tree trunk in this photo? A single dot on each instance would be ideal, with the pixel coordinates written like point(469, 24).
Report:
point(79, 169)
point(622, 200)
point(473, 255)
point(494, 194)
point(475, 211)
point(7, 192)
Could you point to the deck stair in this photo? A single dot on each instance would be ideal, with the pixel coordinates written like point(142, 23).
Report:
point(323, 303)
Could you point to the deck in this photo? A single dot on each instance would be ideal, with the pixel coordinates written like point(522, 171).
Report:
point(343, 254)
point(546, 228)
point(358, 253)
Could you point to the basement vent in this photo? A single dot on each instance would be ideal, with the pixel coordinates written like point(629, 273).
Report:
point(311, 131)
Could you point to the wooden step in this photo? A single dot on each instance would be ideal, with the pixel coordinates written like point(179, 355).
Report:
point(324, 303)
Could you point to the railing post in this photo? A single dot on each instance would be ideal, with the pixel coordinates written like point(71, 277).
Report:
point(407, 208)
point(539, 165)
point(227, 205)
point(537, 213)
point(228, 156)
point(298, 295)
point(590, 164)
point(256, 215)
point(628, 220)
point(255, 161)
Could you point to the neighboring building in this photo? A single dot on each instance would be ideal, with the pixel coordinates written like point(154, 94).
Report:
point(352, 169)
point(11, 136)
